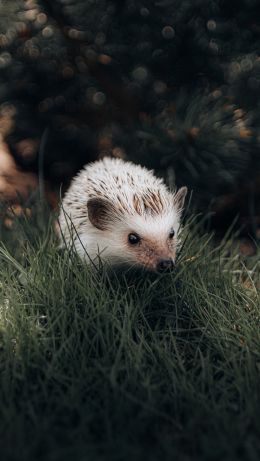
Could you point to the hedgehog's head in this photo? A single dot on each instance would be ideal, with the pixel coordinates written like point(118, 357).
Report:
point(144, 235)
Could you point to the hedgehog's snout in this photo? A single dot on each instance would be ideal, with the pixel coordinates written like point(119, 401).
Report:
point(165, 265)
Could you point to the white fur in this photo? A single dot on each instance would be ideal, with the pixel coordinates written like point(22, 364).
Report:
point(112, 179)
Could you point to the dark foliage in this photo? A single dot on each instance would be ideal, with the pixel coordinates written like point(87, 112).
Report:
point(172, 84)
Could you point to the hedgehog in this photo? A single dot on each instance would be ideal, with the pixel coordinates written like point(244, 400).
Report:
point(121, 214)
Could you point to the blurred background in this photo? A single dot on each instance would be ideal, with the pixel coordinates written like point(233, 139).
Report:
point(171, 84)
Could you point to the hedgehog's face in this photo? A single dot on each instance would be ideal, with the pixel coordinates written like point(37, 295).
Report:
point(152, 250)
point(147, 240)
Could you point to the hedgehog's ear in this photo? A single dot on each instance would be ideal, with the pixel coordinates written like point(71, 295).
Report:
point(179, 197)
point(100, 213)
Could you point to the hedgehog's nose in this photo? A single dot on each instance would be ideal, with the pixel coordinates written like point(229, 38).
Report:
point(165, 265)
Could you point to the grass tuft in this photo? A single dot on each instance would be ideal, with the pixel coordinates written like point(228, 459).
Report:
point(111, 366)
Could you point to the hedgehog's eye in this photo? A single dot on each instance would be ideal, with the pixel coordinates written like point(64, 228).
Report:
point(133, 238)
point(171, 234)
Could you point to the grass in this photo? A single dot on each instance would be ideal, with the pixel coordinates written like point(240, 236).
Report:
point(110, 367)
